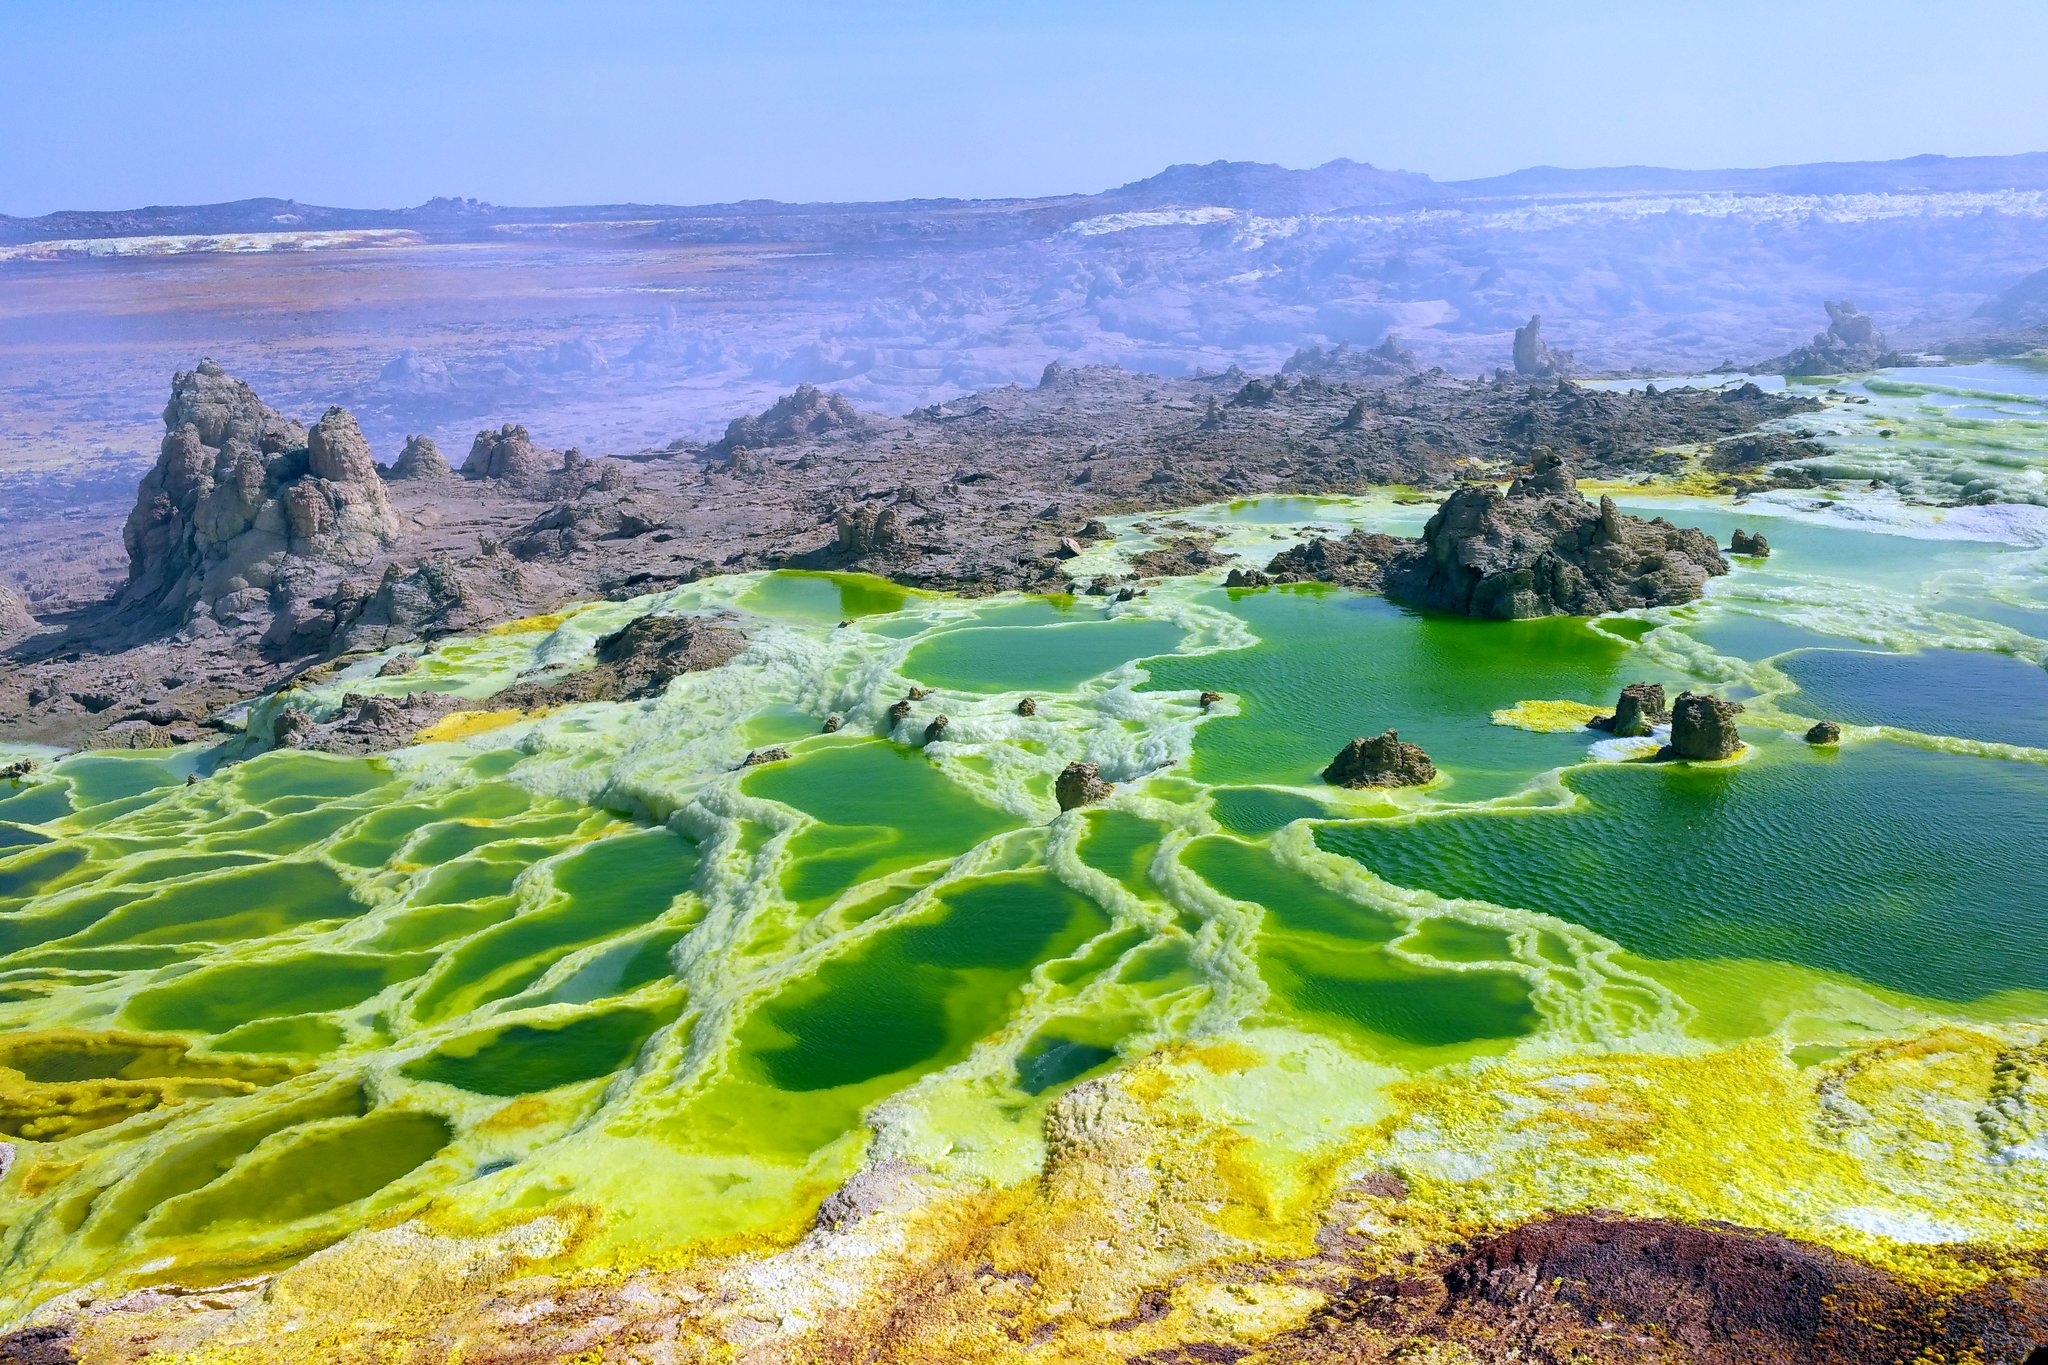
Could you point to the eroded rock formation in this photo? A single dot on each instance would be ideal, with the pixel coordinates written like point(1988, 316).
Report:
point(1080, 784)
point(1703, 728)
point(807, 411)
point(15, 620)
point(1824, 732)
point(245, 516)
point(1533, 357)
point(1389, 359)
point(1743, 543)
point(1640, 706)
point(866, 531)
point(1850, 344)
point(1385, 760)
point(510, 456)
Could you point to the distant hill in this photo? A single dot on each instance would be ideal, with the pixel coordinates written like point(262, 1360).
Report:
point(2026, 171)
point(1258, 187)
point(1250, 186)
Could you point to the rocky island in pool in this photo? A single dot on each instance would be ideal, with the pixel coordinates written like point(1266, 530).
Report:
point(933, 925)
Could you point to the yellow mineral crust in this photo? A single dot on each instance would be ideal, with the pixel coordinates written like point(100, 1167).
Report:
point(1156, 1220)
point(1548, 717)
point(466, 724)
point(57, 1083)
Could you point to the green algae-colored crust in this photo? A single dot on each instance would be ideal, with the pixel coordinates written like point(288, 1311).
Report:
point(584, 986)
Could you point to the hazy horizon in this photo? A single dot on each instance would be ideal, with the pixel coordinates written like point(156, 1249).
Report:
point(528, 103)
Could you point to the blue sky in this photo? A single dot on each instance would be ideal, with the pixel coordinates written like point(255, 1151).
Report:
point(116, 103)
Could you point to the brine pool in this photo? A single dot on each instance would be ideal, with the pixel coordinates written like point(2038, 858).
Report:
point(586, 960)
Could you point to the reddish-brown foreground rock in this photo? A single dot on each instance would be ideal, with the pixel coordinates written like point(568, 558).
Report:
point(1568, 1289)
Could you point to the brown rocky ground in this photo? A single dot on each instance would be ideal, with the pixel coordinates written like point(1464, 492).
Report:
point(974, 495)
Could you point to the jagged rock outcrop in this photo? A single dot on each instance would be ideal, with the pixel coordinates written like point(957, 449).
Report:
point(421, 459)
point(1028, 707)
point(637, 661)
point(936, 730)
point(1743, 543)
point(1538, 549)
point(510, 456)
point(1246, 578)
point(1533, 357)
point(1080, 784)
point(1385, 760)
point(774, 753)
point(246, 513)
point(1703, 728)
point(1824, 732)
point(1850, 344)
point(807, 411)
point(1640, 706)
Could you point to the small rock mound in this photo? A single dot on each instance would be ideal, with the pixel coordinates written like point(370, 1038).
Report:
point(807, 411)
point(421, 459)
point(1028, 707)
point(1385, 760)
point(1358, 560)
point(937, 729)
point(1080, 784)
point(637, 661)
point(1640, 706)
point(1389, 359)
point(1824, 732)
point(1743, 543)
point(510, 456)
point(1702, 728)
point(774, 753)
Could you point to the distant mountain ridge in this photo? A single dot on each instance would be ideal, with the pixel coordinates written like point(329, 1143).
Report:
point(1249, 186)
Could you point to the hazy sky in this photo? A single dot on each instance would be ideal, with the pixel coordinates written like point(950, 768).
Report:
point(116, 103)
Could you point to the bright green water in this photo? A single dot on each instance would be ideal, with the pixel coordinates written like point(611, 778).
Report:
point(589, 955)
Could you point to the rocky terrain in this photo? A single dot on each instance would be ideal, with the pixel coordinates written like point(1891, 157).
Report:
point(616, 329)
point(258, 546)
